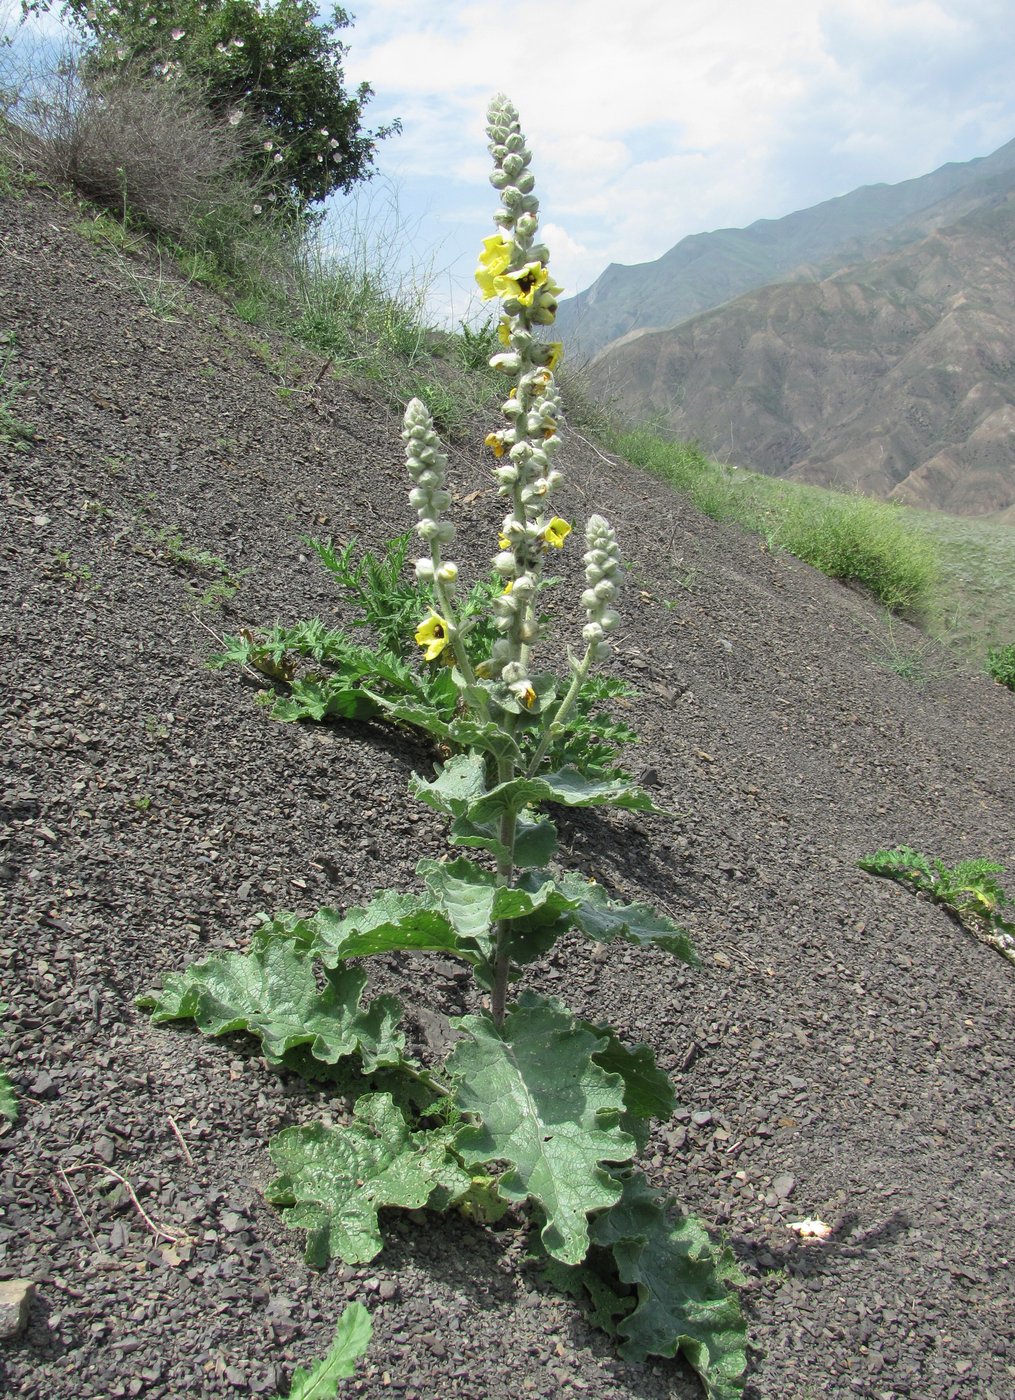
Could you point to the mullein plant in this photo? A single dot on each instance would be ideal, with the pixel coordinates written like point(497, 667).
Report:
point(535, 1110)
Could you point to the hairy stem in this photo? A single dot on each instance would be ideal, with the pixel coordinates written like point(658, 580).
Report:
point(566, 706)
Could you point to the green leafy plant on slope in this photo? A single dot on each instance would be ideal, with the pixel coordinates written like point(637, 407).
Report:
point(352, 1337)
point(968, 889)
point(8, 1103)
point(1001, 665)
point(274, 70)
point(534, 1109)
point(320, 673)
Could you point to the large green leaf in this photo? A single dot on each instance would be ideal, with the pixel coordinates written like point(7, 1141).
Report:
point(352, 1337)
point(684, 1285)
point(460, 782)
point(606, 919)
point(535, 839)
point(391, 922)
point(567, 787)
point(474, 900)
point(334, 1180)
point(273, 994)
point(324, 698)
point(648, 1093)
point(547, 1110)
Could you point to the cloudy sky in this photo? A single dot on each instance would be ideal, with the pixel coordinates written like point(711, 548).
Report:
point(653, 119)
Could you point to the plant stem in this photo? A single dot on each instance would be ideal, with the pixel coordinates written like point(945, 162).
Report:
point(566, 706)
point(505, 870)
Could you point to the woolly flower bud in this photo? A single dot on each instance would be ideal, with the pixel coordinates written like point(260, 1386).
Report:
point(602, 575)
point(427, 466)
point(425, 570)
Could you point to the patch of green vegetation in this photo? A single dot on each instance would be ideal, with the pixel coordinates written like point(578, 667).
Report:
point(77, 575)
point(974, 607)
point(1001, 665)
point(851, 538)
point(13, 431)
point(968, 890)
point(8, 1102)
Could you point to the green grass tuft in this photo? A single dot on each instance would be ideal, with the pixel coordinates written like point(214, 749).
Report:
point(850, 538)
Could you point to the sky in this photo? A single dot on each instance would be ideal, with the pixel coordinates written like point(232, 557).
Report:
point(653, 119)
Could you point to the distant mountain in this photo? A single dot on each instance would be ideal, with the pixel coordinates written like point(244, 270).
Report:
point(708, 269)
point(896, 376)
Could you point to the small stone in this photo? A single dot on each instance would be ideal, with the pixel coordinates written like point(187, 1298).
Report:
point(783, 1186)
point(15, 1297)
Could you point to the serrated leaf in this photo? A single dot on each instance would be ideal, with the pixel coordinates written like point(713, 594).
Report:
point(319, 700)
point(8, 1102)
point(490, 738)
point(535, 840)
point(272, 993)
point(600, 1303)
point(334, 1180)
point(474, 900)
point(352, 1337)
point(390, 923)
point(684, 1284)
point(420, 716)
point(648, 1092)
point(547, 1110)
point(606, 919)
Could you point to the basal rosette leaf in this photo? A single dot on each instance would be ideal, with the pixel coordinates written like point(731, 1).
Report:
point(352, 1337)
point(333, 1181)
point(272, 993)
point(547, 1110)
point(391, 922)
point(684, 1286)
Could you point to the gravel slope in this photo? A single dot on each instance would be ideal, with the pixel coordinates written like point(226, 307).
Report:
point(844, 1052)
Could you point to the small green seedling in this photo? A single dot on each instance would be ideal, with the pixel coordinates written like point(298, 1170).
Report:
point(352, 1337)
point(8, 1103)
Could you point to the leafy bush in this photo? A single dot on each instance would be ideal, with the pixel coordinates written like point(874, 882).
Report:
point(273, 69)
point(1001, 665)
point(149, 151)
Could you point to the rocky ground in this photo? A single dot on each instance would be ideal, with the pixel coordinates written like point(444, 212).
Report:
point(844, 1052)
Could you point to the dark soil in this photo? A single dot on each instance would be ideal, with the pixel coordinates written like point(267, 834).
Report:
point(844, 1052)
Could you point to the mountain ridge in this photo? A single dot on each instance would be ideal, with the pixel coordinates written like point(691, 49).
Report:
point(705, 270)
point(894, 376)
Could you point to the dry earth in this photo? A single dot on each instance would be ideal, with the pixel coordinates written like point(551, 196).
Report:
point(844, 1052)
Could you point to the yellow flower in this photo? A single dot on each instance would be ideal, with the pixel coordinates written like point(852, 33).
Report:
point(556, 355)
point(495, 442)
point(493, 260)
point(524, 283)
point(433, 635)
point(503, 542)
point(504, 332)
point(557, 532)
point(528, 697)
